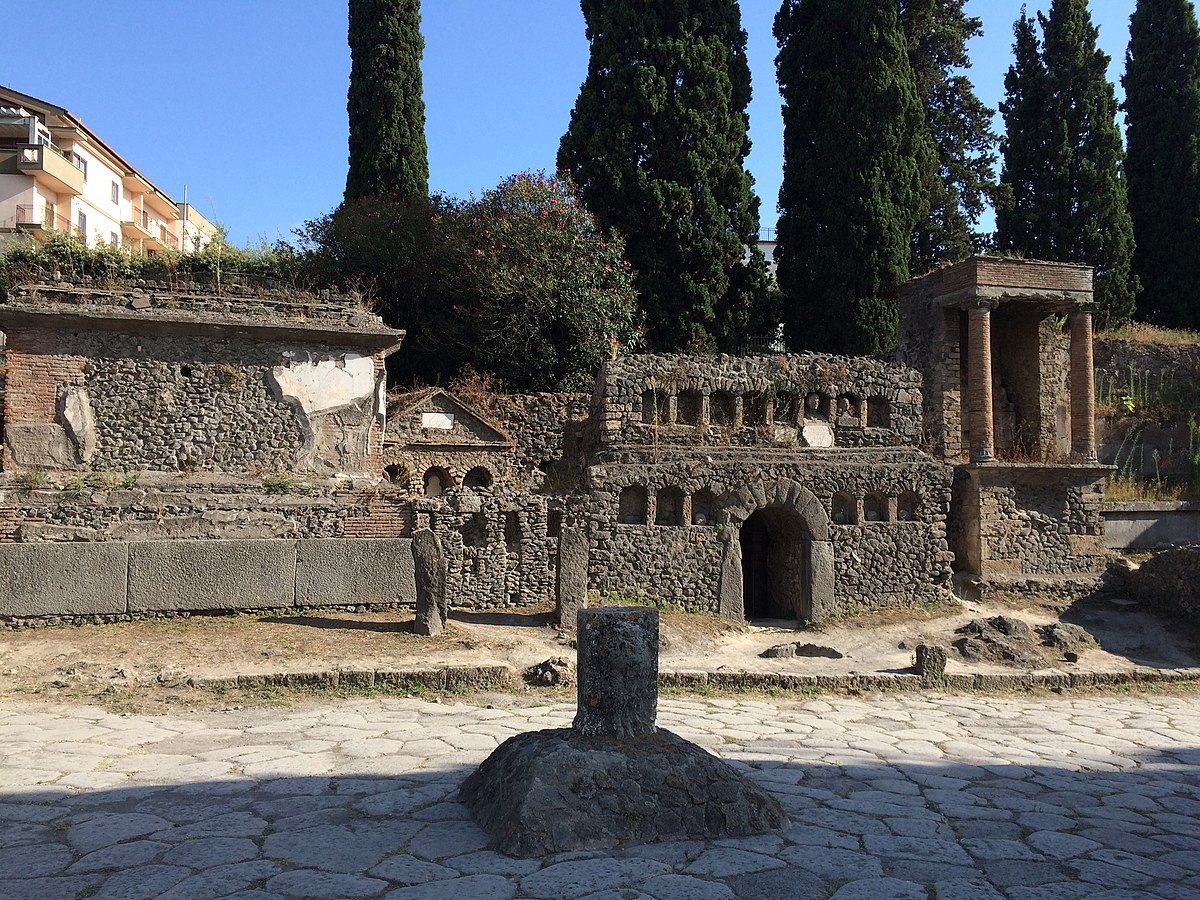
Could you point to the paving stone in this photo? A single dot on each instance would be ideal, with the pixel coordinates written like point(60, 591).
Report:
point(776, 884)
point(974, 889)
point(339, 848)
point(722, 862)
point(120, 856)
point(112, 828)
point(1106, 874)
point(881, 889)
point(916, 848)
point(833, 864)
point(442, 839)
point(988, 848)
point(1005, 873)
point(468, 887)
point(222, 881)
point(579, 877)
point(683, 887)
point(1063, 890)
point(809, 835)
point(926, 871)
point(49, 888)
point(406, 870)
point(45, 860)
point(311, 883)
point(142, 883)
point(204, 853)
point(489, 862)
point(1059, 845)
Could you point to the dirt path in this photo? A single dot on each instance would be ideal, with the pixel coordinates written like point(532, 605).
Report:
point(147, 664)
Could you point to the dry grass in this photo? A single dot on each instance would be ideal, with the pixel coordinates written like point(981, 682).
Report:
point(1143, 333)
point(1126, 490)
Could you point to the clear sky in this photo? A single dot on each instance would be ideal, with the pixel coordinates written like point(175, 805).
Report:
point(244, 101)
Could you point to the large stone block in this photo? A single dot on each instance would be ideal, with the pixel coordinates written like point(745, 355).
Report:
point(429, 565)
point(337, 571)
point(170, 575)
point(40, 446)
point(572, 580)
point(63, 579)
point(617, 671)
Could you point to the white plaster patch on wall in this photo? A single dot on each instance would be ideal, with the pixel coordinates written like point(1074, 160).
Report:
point(75, 411)
point(318, 386)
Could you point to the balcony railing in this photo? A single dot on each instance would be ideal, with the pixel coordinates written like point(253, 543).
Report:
point(35, 219)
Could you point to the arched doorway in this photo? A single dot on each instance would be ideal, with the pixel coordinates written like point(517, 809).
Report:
point(776, 547)
point(783, 529)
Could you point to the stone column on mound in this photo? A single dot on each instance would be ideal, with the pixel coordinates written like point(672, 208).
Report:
point(617, 672)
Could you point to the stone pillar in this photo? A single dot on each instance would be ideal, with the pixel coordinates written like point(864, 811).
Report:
point(730, 598)
point(980, 419)
point(1083, 386)
point(617, 669)
point(821, 579)
point(429, 571)
point(572, 581)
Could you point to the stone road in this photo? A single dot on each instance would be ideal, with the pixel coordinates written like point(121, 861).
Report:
point(895, 797)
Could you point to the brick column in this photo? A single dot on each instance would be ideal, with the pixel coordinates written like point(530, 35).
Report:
point(979, 382)
point(1083, 387)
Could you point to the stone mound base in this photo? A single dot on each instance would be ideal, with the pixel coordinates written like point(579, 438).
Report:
point(554, 791)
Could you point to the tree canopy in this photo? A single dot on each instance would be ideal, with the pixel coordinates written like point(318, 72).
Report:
point(857, 167)
point(657, 142)
point(960, 127)
point(1062, 189)
point(388, 155)
point(519, 283)
point(1162, 107)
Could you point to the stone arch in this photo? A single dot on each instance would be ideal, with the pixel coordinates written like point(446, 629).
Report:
point(783, 499)
point(478, 477)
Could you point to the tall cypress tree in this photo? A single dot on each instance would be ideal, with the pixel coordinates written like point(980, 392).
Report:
point(857, 164)
point(1071, 165)
point(961, 128)
point(656, 143)
point(1020, 215)
point(387, 111)
point(1162, 107)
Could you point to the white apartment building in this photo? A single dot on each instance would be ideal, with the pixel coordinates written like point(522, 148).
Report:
point(56, 174)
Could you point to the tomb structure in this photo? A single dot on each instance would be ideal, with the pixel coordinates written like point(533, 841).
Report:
point(237, 442)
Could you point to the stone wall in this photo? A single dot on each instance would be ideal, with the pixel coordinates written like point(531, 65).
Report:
point(1168, 581)
point(139, 380)
point(886, 513)
point(769, 401)
point(1022, 520)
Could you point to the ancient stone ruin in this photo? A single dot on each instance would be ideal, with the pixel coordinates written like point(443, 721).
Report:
point(179, 447)
point(613, 778)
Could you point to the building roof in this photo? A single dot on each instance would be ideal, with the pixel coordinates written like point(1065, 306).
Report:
point(9, 95)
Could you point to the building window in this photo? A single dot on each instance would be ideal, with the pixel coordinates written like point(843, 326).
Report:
point(116, 193)
point(114, 239)
point(80, 164)
point(81, 222)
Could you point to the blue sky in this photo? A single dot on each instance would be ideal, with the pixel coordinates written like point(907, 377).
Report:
point(244, 101)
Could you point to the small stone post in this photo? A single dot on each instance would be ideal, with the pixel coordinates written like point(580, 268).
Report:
point(572, 580)
point(429, 570)
point(618, 672)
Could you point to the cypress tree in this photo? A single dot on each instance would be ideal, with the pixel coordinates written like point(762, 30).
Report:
point(961, 129)
point(1020, 217)
point(387, 112)
point(1162, 107)
point(656, 142)
point(1069, 171)
point(857, 164)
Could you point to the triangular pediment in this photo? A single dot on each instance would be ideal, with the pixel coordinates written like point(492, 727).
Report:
point(437, 418)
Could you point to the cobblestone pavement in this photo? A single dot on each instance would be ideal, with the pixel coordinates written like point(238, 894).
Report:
point(894, 797)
